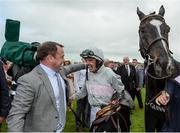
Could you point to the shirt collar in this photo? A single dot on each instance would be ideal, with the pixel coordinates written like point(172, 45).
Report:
point(49, 71)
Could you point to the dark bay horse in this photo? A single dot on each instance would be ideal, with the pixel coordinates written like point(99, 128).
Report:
point(159, 64)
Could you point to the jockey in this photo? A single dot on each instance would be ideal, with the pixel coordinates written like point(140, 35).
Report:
point(101, 84)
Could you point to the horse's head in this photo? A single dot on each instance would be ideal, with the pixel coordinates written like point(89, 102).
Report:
point(154, 45)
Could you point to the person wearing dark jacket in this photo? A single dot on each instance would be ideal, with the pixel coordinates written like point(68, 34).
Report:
point(139, 80)
point(171, 97)
point(4, 95)
point(128, 76)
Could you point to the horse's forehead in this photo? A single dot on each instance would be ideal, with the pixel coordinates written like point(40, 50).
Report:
point(155, 22)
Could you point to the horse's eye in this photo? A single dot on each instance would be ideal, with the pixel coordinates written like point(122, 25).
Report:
point(167, 28)
point(142, 31)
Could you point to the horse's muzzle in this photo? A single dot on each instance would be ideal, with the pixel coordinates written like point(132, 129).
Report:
point(163, 67)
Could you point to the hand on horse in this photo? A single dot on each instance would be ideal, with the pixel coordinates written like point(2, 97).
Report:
point(163, 99)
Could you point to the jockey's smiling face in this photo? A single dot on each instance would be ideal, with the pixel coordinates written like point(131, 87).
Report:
point(91, 62)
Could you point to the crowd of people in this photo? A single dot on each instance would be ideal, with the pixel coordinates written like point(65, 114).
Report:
point(42, 94)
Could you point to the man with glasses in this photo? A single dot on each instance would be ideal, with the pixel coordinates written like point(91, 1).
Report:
point(100, 85)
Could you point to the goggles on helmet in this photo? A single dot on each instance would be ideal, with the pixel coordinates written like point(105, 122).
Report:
point(89, 53)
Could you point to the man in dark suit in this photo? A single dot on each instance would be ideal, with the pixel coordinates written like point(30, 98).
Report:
point(128, 76)
point(139, 80)
point(41, 97)
point(4, 95)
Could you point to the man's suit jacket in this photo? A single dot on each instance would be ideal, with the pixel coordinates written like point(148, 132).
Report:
point(34, 106)
point(130, 81)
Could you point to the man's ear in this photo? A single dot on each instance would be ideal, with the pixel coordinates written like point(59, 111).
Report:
point(49, 58)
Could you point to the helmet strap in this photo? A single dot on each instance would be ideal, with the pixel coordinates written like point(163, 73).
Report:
point(98, 65)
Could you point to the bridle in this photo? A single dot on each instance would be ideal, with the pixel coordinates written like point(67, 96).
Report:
point(145, 50)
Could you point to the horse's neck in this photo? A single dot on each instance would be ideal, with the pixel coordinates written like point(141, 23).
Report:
point(156, 84)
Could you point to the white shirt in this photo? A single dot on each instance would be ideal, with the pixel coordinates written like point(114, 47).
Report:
point(128, 69)
point(53, 79)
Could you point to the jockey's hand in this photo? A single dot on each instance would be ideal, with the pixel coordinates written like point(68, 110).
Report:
point(163, 99)
point(114, 102)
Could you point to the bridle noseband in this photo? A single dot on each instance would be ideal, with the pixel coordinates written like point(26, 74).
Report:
point(145, 50)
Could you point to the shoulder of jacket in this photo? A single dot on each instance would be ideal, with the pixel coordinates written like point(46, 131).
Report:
point(176, 79)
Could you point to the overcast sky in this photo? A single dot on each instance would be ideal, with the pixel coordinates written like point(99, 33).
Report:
point(111, 25)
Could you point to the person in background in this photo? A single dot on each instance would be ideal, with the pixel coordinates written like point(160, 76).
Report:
point(140, 79)
point(128, 76)
point(100, 85)
point(170, 97)
point(82, 109)
point(6, 66)
point(116, 65)
point(70, 78)
point(109, 63)
point(4, 95)
point(42, 94)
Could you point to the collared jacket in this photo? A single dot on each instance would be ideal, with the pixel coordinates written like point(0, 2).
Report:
point(101, 86)
point(173, 120)
point(34, 105)
point(130, 81)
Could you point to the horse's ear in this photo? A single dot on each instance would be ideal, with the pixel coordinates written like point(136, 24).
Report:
point(162, 11)
point(140, 14)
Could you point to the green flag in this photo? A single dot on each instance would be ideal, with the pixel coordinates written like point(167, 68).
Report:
point(12, 30)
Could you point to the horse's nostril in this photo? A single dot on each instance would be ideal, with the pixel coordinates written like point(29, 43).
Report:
point(158, 70)
point(170, 69)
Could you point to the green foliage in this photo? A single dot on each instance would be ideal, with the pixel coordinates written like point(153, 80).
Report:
point(3, 127)
point(70, 125)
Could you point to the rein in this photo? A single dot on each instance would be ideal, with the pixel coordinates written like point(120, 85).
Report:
point(77, 117)
point(156, 16)
point(145, 50)
point(164, 77)
point(152, 16)
point(163, 109)
point(149, 62)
